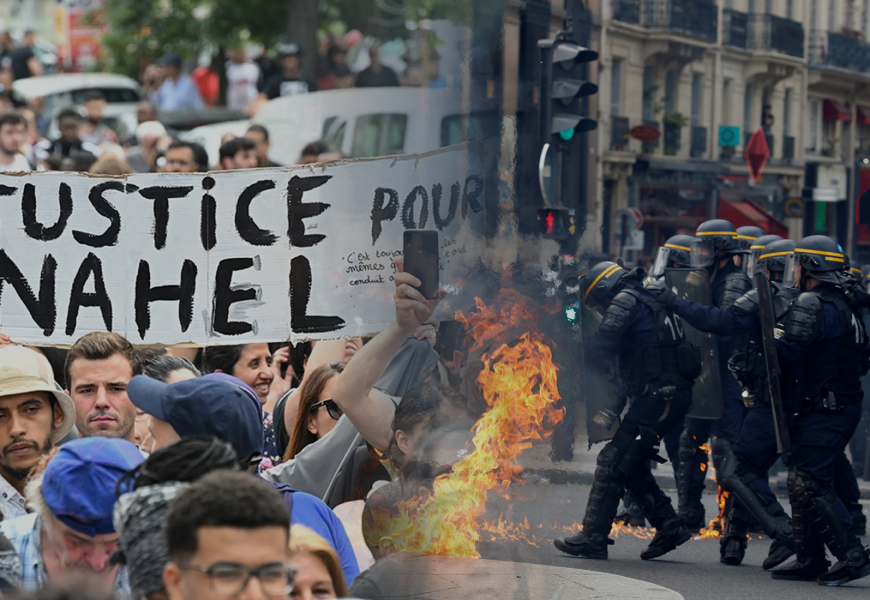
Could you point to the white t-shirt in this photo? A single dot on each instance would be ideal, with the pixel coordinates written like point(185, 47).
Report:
point(242, 84)
point(19, 164)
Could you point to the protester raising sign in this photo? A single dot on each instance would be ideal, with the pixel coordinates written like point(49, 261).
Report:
point(227, 257)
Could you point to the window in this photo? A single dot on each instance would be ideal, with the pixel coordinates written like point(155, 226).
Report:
point(747, 111)
point(768, 6)
point(456, 129)
point(813, 126)
point(671, 92)
point(648, 92)
point(697, 98)
point(832, 15)
point(750, 8)
point(727, 114)
point(616, 87)
point(786, 114)
point(729, 4)
point(379, 135)
point(789, 9)
point(864, 16)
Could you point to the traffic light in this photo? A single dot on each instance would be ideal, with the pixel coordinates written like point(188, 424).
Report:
point(556, 223)
point(569, 292)
point(563, 87)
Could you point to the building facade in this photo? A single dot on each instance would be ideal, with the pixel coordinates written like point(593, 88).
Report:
point(703, 77)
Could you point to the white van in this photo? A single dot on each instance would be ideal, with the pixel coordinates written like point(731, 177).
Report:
point(368, 122)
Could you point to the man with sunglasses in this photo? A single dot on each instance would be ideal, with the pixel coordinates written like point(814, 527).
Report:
point(223, 532)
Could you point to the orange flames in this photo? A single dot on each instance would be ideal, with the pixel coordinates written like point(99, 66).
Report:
point(717, 525)
point(518, 383)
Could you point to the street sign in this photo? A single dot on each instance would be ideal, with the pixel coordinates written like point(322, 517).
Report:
point(757, 153)
point(631, 218)
point(645, 132)
point(729, 136)
point(794, 207)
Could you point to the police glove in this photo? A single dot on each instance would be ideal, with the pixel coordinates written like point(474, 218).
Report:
point(662, 293)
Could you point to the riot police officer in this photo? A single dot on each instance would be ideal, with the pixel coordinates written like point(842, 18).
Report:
point(750, 261)
point(747, 235)
point(743, 473)
point(656, 367)
point(676, 253)
point(819, 354)
point(715, 247)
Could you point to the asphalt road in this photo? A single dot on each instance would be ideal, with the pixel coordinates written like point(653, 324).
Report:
point(693, 569)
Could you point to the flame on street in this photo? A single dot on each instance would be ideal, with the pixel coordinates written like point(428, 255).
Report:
point(518, 383)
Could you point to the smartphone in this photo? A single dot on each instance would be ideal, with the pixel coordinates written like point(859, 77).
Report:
point(421, 259)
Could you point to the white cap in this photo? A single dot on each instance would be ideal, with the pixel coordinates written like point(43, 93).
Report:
point(150, 129)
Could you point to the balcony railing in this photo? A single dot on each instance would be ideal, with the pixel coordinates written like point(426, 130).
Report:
point(619, 129)
point(627, 11)
point(788, 147)
point(699, 141)
point(734, 28)
point(694, 18)
point(838, 50)
point(769, 32)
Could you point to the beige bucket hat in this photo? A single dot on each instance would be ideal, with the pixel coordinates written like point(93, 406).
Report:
point(23, 370)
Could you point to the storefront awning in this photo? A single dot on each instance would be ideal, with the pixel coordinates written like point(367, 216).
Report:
point(834, 111)
point(747, 212)
point(863, 115)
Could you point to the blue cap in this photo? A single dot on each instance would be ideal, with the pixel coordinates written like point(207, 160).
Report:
point(79, 482)
point(215, 405)
point(171, 59)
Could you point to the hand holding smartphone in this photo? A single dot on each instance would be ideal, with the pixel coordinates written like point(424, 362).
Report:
point(421, 260)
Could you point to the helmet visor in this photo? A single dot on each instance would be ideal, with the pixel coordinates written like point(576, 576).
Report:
point(703, 253)
point(661, 262)
point(791, 274)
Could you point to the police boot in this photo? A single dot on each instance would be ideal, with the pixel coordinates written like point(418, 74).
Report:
point(780, 551)
point(732, 545)
point(811, 561)
point(671, 534)
point(854, 564)
point(607, 488)
point(859, 519)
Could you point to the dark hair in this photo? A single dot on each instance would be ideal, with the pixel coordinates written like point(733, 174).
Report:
point(100, 345)
point(200, 155)
point(69, 113)
point(420, 406)
point(261, 130)
point(11, 118)
point(94, 95)
point(221, 358)
point(222, 499)
point(316, 148)
point(236, 145)
point(161, 367)
point(309, 395)
point(186, 460)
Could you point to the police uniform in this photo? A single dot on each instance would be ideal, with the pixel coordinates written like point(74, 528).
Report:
point(654, 364)
point(820, 356)
point(728, 283)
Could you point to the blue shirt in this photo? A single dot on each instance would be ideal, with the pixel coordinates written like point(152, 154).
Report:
point(314, 514)
point(25, 535)
point(178, 95)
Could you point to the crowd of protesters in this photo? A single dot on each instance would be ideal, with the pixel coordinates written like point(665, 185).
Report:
point(152, 473)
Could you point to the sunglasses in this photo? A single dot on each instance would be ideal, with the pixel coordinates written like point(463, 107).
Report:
point(331, 407)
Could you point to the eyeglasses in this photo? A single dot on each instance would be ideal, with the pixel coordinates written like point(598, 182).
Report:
point(331, 407)
point(231, 579)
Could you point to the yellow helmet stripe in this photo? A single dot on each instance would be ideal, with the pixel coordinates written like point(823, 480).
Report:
point(832, 256)
point(606, 273)
point(686, 248)
point(757, 247)
point(772, 254)
point(856, 269)
point(731, 233)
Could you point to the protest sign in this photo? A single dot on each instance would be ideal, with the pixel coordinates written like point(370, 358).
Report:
point(227, 257)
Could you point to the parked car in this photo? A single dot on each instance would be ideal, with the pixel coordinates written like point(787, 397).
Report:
point(209, 136)
point(70, 89)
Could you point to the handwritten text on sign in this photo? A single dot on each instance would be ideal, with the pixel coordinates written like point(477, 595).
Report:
point(226, 257)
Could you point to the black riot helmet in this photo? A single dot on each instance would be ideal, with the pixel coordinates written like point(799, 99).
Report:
point(817, 257)
point(601, 284)
point(746, 235)
point(675, 253)
point(853, 273)
point(774, 257)
point(714, 240)
point(750, 262)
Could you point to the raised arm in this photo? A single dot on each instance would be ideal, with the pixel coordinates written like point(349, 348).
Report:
point(369, 410)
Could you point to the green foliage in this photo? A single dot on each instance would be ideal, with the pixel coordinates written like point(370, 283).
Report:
point(676, 119)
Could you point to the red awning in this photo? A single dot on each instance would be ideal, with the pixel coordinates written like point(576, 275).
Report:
point(863, 116)
point(747, 212)
point(833, 111)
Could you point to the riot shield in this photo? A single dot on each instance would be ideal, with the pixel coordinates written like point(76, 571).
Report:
point(694, 285)
point(599, 391)
point(768, 322)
